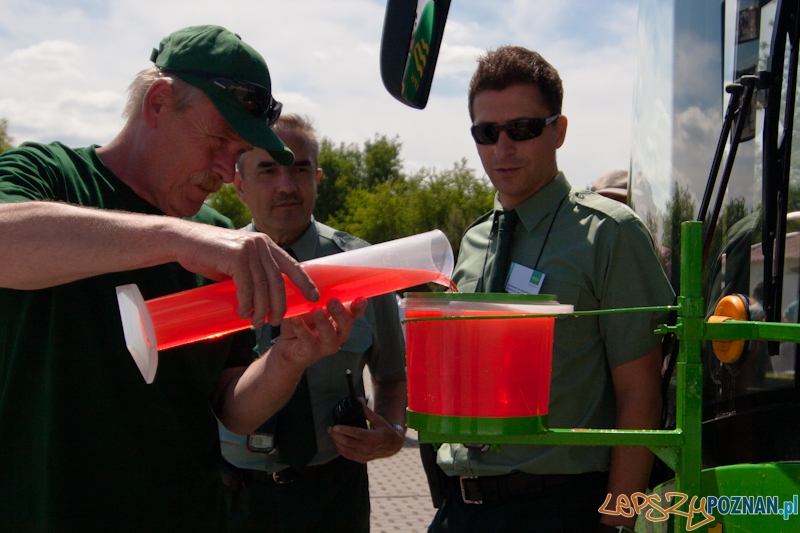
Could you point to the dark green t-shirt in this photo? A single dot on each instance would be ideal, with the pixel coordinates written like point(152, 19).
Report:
point(85, 444)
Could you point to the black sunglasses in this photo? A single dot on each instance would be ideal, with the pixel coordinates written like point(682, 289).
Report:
point(517, 130)
point(256, 99)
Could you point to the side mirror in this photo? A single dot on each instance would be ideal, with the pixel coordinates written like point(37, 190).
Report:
point(412, 34)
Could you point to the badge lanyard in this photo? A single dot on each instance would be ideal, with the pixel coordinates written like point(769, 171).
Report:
point(492, 233)
point(547, 235)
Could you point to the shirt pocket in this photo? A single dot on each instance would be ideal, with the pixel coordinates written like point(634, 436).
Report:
point(360, 338)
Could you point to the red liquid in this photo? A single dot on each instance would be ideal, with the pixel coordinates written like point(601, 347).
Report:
point(209, 312)
point(479, 368)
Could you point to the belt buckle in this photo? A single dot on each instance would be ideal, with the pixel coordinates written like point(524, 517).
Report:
point(464, 491)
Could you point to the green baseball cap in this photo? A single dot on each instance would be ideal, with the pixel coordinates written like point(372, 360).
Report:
point(233, 75)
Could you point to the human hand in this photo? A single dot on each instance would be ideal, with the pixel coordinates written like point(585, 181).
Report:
point(254, 262)
point(306, 339)
point(363, 445)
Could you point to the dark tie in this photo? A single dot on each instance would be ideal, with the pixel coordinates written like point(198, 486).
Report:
point(496, 279)
point(295, 435)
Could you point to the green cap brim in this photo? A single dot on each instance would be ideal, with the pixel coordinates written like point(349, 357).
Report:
point(253, 130)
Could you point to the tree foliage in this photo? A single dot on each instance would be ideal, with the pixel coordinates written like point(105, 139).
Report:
point(365, 192)
point(448, 200)
point(348, 167)
point(227, 202)
point(5, 138)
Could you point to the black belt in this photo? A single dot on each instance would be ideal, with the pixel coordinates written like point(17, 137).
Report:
point(493, 488)
point(234, 477)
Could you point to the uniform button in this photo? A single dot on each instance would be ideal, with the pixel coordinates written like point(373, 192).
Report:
point(579, 195)
point(461, 470)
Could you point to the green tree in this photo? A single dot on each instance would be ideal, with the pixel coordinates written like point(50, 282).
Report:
point(679, 209)
point(349, 167)
point(381, 214)
point(341, 166)
point(448, 200)
point(5, 138)
point(227, 202)
point(451, 200)
point(364, 191)
point(382, 161)
point(733, 212)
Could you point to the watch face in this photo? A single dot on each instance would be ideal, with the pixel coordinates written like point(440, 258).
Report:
point(260, 442)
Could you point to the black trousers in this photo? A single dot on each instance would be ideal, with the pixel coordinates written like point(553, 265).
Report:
point(333, 498)
point(571, 507)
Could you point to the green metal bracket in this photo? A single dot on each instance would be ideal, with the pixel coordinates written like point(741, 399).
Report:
point(680, 449)
point(670, 456)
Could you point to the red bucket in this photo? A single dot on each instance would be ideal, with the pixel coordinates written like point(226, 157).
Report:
point(479, 364)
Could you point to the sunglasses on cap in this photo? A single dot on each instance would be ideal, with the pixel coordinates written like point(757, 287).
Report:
point(256, 99)
point(517, 130)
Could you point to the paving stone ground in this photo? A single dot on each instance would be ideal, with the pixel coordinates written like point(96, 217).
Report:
point(398, 491)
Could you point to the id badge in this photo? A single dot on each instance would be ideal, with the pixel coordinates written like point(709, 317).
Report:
point(524, 280)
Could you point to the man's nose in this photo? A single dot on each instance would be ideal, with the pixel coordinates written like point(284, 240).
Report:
point(224, 165)
point(504, 145)
point(284, 181)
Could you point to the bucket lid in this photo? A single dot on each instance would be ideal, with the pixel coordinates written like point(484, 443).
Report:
point(455, 302)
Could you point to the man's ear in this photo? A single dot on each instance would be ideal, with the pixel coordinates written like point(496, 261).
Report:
point(237, 184)
point(561, 127)
point(319, 175)
point(157, 100)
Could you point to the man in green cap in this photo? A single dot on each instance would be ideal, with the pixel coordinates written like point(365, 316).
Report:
point(86, 444)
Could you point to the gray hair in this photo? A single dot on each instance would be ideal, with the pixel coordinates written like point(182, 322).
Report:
point(186, 95)
point(292, 122)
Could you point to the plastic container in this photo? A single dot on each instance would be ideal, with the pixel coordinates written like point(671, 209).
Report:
point(473, 370)
point(211, 311)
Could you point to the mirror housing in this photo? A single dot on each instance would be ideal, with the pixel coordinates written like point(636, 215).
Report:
point(410, 47)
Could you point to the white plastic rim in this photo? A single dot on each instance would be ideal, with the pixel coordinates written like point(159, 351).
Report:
point(457, 307)
point(425, 251)
point(140, 336)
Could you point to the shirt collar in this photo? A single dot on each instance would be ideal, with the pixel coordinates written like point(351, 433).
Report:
point(305, 248)
point(542, 204)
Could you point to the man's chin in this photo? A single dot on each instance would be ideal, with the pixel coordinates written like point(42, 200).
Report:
point(187, 210)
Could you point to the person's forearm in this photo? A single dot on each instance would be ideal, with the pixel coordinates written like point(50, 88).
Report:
point(391, 399)
point(245, 398)
point(638, 408)
point(46, 244)
point(255, 393)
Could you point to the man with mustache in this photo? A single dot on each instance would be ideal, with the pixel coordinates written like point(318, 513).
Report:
point(589, 251)
point(85, 443)
point(325, 487)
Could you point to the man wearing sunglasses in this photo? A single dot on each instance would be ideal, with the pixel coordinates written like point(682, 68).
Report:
point(545, 236)
point(85, 443)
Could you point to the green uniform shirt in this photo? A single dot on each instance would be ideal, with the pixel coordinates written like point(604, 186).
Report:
point(85, 443)
point(596, 255)
point(376, 340)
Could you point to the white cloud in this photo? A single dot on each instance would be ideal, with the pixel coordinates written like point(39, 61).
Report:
point(66, 70)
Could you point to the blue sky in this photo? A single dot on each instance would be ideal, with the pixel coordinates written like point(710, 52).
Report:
point(65, 66)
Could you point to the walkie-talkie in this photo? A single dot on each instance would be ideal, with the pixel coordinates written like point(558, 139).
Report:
point(350, 412)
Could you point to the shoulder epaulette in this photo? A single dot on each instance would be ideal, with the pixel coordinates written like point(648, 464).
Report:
point(611, 208)
point(342, 239)
point(479, 220)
